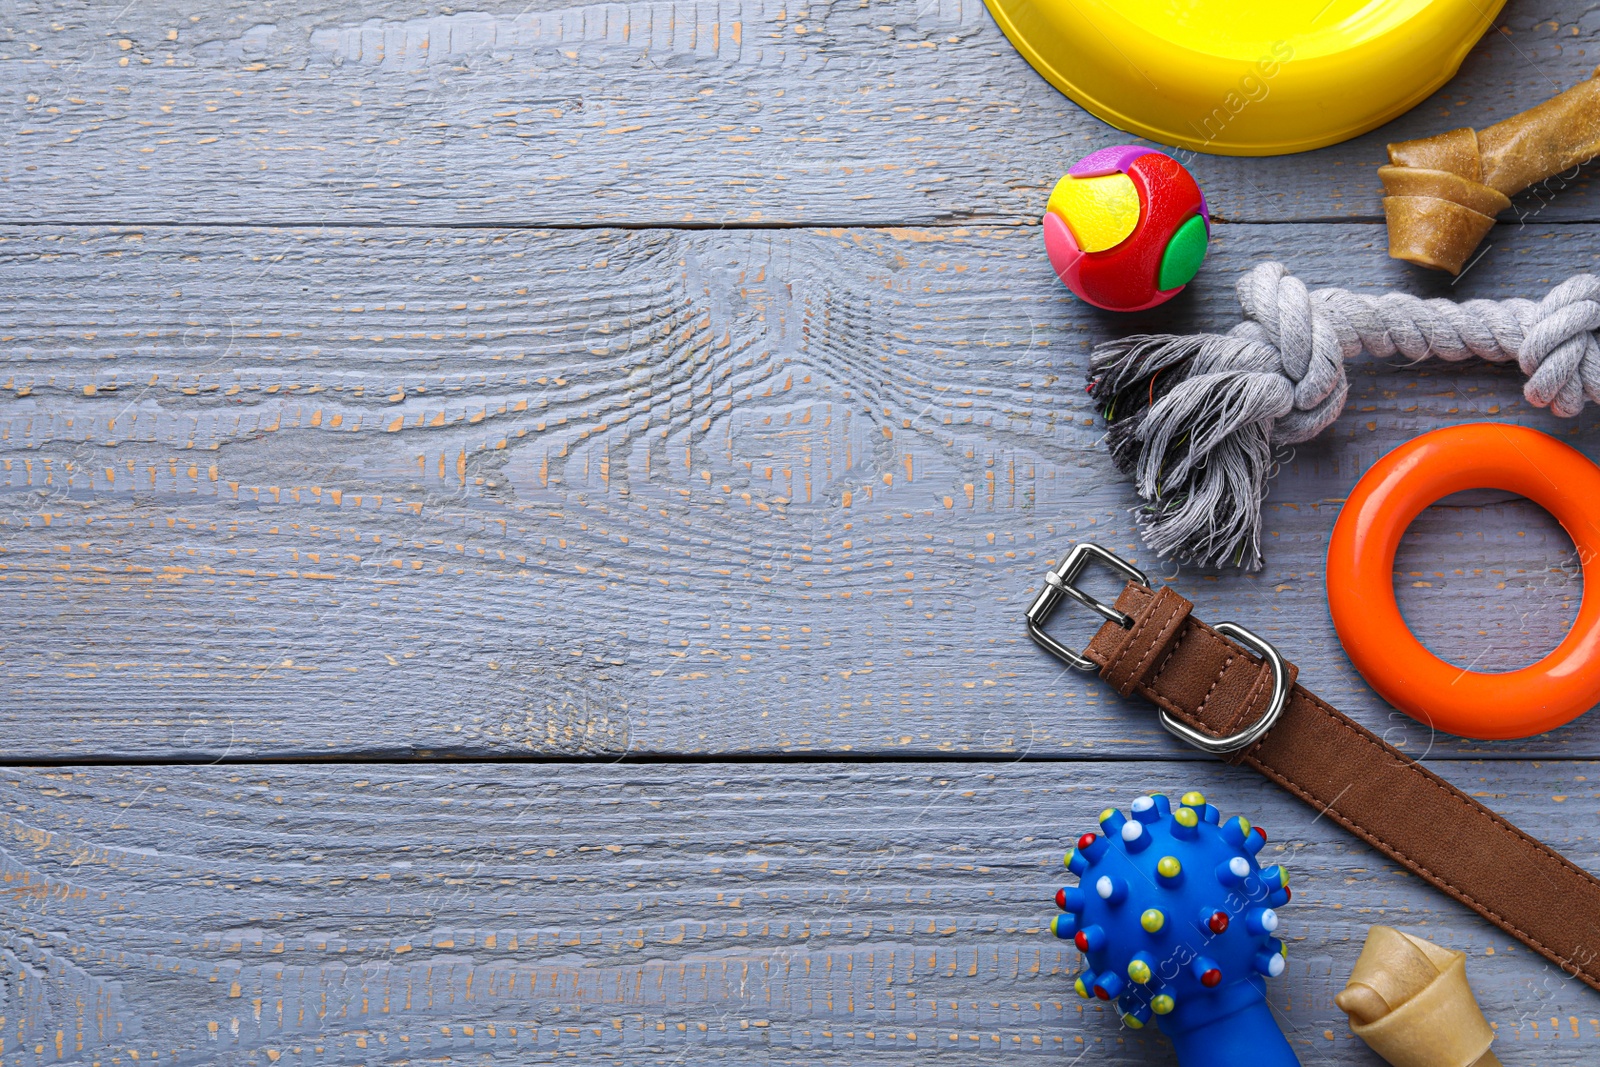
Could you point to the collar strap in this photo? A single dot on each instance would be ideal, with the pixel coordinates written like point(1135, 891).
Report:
point(1220, 689)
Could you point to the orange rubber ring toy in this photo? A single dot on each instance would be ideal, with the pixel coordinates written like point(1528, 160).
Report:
point(1482, 455)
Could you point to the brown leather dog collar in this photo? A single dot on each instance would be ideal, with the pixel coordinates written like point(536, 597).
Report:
point(1213, 692)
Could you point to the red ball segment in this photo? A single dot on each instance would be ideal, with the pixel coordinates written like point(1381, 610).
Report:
point(1086, 840)
point(1218, 921)
point(1081, 941)
point(1061, 898)
point(1211, 978)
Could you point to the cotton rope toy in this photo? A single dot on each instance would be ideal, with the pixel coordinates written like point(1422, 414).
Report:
point(1194, 420)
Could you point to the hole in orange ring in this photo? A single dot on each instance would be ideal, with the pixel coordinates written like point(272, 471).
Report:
point(1488, 581)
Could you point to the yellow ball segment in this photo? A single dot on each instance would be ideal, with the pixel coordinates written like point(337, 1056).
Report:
point(1101, 212)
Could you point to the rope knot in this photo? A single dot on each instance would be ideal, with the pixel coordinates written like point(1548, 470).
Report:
point(1559, 353)
point(1311, 340)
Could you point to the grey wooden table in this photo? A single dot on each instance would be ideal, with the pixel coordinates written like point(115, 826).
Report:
point(513, 524)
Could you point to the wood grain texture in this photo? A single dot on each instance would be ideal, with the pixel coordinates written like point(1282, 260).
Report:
point(583, 492)
point(800, 915)
point(738, 111)
point(423, 382)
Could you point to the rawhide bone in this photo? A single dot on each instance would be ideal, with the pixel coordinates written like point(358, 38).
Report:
point(1409, 1000)
point(1443, 192)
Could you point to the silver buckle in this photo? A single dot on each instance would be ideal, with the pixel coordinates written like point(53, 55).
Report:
point(1060, 582)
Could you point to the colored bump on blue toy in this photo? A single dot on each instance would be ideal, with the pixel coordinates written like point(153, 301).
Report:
point(1177, 921)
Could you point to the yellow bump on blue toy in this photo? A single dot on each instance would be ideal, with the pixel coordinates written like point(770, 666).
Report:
point(1246, 77)
point(1141, 968)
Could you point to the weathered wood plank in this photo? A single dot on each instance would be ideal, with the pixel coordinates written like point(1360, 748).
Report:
point(739, 111)
point(355, 488)
point(307, 492)
point(666, 914)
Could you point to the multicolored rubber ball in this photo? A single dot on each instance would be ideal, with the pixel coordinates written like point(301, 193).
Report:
point(1127, 228)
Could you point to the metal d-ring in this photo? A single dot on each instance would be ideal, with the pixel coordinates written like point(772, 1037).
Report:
point(1240, 739)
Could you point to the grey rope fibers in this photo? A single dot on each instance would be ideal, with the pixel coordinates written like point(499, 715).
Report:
point(1194, 420)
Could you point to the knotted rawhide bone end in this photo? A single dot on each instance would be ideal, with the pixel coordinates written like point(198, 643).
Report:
point(1436, 217)
point(1408, 999)
point(1442, 193)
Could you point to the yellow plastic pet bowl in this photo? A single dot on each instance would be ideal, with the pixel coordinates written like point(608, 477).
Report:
point(1246, 77)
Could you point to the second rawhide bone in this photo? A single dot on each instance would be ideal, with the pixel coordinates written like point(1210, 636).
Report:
point(1409, 1000)
point(1443, 192)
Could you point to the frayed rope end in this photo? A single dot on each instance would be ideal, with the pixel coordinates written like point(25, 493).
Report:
point(1196, 442)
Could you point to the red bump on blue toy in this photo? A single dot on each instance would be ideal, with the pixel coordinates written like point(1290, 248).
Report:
point(1177, 922)
point(1126, 228)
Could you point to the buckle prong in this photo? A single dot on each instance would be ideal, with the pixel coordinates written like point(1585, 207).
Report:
point(1061, 582)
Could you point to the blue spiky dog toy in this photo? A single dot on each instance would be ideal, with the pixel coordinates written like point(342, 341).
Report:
point(1176, 919)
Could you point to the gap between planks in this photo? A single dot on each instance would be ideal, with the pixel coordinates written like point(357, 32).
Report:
point(713, 759)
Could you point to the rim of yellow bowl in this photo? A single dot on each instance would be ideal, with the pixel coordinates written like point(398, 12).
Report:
point(1351, 65)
